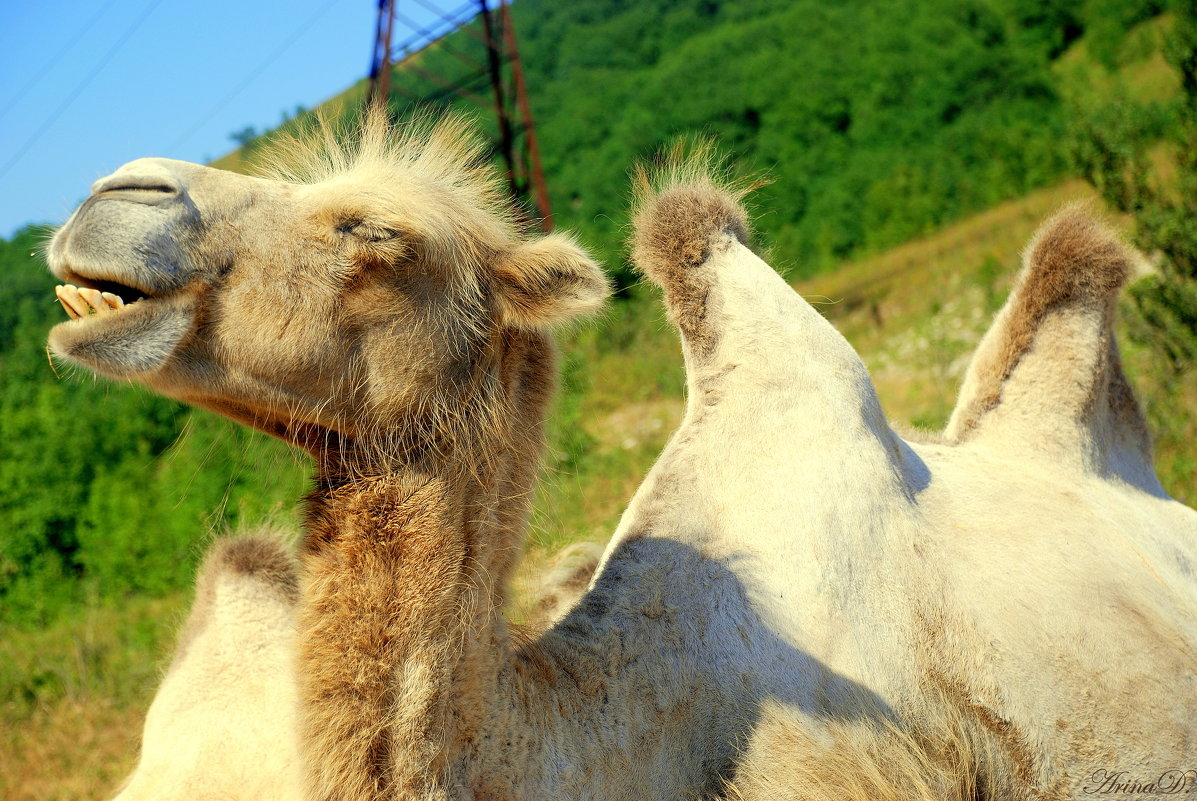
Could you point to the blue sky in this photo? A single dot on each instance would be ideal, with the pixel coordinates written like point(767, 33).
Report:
point(87, 85)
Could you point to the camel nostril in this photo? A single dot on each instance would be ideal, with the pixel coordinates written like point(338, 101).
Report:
point(140, 181)
point(161, 188)
point(146, 191)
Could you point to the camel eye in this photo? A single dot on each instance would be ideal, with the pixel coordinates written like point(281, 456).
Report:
point(366, 232)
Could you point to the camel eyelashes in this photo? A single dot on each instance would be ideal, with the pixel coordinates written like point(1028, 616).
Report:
point(367, 232)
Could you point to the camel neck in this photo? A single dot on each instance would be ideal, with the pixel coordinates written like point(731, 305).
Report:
point(413, 684)
point(401, 606)
point(403, 645)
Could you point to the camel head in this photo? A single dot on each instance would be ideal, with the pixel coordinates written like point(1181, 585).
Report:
point(350, 288)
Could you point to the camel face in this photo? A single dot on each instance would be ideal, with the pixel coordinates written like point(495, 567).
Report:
point(343, 295)
point(131, 238)
point(246, 292)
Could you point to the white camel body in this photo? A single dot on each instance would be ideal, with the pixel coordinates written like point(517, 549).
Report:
point(797, 601)
point(718, 582)
point(1033, 573)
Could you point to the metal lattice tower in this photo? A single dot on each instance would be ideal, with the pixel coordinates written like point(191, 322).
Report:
point(489, 55)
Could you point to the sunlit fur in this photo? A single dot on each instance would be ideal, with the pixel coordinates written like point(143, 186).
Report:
point(790, 573)
point(224, 723)
point(1017, 592)
point(933, 756)
point(436, 172)
point(395, 254)
point(391, 319)
point(432, 183)
point(672, 229)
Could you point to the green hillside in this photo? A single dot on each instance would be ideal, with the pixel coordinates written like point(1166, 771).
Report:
point(912, 148)
point(877, 121)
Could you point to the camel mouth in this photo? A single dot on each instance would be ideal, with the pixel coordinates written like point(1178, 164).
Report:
point(89, 300)
point(90, 294)
point(119, 329)
point(133, 265)
point(129, 293)
point(126, 293)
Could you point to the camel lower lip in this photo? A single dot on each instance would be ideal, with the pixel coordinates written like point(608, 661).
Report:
point(122, 342)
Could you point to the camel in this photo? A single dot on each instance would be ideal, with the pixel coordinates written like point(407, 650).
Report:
point(1006, 611)
point(223, 724)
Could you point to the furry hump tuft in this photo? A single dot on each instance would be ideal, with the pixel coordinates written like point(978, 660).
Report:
point(261, 555)
point(1074, 266)
point(680, 204)
point(446, 150)
point(1073, 257)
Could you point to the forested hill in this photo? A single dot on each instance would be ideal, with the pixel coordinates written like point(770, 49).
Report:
point(877, 121)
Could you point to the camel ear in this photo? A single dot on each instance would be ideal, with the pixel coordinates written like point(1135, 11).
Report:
point(548, 281)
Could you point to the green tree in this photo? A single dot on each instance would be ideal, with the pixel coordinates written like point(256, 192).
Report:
point(1112, 152)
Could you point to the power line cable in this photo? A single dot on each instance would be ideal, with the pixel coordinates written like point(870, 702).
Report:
point(82, 85)
point(41, 73)
point(300, 31)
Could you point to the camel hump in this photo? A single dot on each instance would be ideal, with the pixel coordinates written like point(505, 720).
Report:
point(224, 718)
point(1074, 259)
point(680, 206)
point(676, 225)
point(261, 556)
point(1048, 372)
point(250, 577)
point(246, 590)
point(555, 589)
point(683, 206)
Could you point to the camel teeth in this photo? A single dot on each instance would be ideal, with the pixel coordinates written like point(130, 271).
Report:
point(81, 302)
point(72, 303)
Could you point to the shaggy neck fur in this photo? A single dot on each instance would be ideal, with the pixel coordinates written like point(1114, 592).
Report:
point(402, 638)
point(411, 682)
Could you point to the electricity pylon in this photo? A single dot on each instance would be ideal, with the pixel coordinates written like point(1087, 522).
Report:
point(481, 22)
